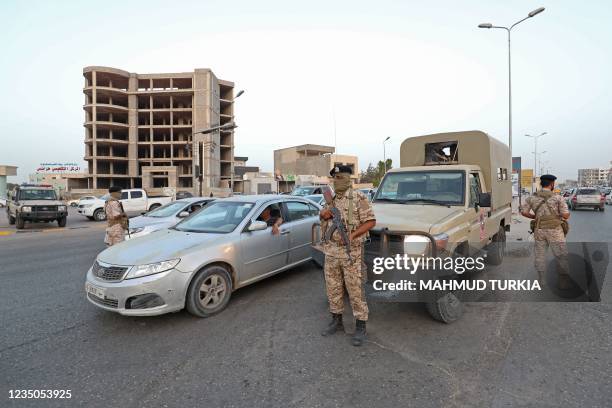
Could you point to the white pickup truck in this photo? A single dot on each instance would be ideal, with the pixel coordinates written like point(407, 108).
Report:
point(135, 201)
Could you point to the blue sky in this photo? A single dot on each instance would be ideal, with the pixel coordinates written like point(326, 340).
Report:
point(385, 68)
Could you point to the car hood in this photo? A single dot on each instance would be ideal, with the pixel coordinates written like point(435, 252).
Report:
point(413, 217)
point(153, 222)
point(158, 246)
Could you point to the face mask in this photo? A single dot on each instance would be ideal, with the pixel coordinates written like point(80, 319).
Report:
point(342, 184)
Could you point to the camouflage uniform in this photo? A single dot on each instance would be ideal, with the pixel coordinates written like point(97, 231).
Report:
point(552, 237)
point(339, 271)
point(115, 217)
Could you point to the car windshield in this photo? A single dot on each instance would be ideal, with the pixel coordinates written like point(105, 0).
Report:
point(443, 187)
point(37, 194)
point(104, 197)
point(218, 217)
point(303, 191)
point(167, 210)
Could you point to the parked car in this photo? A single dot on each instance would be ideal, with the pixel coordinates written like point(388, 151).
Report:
point(309, 190)
point(183, 194)
point(165, 216)
point(369, 192)
point(199, 262)
point(76, 202)
point(609, 199)
point(135, 201)
point(317, 198)
point(587, 197)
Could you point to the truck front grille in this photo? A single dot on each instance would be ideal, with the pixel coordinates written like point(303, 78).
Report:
point(374, 245)
point(45, 208)
point(109, 273)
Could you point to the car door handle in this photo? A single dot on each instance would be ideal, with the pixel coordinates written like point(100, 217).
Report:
point(285, 232)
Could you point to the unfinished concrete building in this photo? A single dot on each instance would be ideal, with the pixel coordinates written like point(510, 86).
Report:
point(139, 130)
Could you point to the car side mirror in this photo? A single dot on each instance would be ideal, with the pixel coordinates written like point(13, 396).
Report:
point(183, 214)
point(257, 226)
point(484, 199)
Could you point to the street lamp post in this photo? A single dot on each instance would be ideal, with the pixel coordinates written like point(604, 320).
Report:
point(218, 128)
point(232, 162)
point(508, 30)
point(535, 151)
point(385, 154)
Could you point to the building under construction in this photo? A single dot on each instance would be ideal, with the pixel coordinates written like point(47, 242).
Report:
point(140, 130)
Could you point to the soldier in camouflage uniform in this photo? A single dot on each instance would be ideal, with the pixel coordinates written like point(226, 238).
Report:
point(358, 217)
point(548, 210)
point(115, 217)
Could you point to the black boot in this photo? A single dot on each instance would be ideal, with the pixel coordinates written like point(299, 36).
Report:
point(333, 326)
point(360, 333)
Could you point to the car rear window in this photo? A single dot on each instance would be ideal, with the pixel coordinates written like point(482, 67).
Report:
point(588, 191)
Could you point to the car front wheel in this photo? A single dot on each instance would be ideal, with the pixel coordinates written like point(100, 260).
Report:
point(99, 215)
point(209, 292)
point(20, 222)
point(61, 222)
point(11, 220)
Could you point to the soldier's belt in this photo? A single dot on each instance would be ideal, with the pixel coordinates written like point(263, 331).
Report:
point(549, 222)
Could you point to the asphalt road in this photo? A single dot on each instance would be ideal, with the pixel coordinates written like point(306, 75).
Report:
point(265, 350)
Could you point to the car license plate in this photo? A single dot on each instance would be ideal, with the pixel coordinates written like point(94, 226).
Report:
point(94, 290)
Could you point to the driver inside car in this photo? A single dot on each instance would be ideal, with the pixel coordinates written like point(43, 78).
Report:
point(272, 216)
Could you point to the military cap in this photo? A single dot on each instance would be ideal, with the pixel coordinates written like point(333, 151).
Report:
point(547, 177)
point(114, 189)
point(341, 169)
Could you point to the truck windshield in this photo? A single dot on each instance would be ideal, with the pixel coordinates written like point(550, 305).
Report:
point(37, 195)
point(220, 218)
point(435, 187)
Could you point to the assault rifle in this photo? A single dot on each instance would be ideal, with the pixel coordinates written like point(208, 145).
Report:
point(336, 224)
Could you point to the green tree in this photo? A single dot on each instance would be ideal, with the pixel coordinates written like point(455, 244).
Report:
point(375, 174)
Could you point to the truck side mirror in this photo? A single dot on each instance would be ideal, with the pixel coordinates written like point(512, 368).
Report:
point(484, 199)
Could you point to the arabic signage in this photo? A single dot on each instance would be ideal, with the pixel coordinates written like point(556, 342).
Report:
point(58, 168)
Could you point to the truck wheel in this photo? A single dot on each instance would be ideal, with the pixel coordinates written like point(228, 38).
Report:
point(11, 220)
point(61, 222)
point(209, 292)
point(497, 248)
point(447, 308)
point(99, 215)
point(154, 206)
point(20, 222)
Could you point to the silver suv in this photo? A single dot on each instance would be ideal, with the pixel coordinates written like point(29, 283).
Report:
point(35, 203)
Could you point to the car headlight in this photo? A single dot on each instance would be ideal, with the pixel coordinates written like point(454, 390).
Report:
point(61, 208)
point(26, 209)
point(421, 245)
point(137, 271)
point(136, 230)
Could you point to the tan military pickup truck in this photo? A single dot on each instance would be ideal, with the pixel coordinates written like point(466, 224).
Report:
point(35, 203)
point(451, 196)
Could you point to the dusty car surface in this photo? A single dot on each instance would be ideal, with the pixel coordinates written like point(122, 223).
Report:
point(165, 216)
point(198, 263)
point(588, 197)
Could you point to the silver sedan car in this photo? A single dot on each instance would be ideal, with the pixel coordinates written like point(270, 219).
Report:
point(165, 216)
point(198, 263)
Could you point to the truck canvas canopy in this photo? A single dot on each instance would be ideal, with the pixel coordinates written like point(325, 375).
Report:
point(473, 148)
